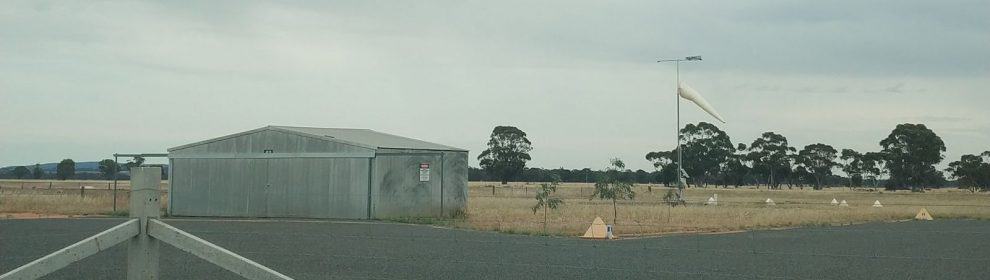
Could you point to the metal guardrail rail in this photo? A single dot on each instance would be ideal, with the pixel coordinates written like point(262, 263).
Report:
point(143, 233)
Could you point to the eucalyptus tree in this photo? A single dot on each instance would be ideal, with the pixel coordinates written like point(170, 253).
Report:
point(664, 162)
point(546, 200)
point(736, 169)
point(770, 157)
point(65, 169)
point(911, 152)
point(819, 159)
point(705, 149)
point(507, 153)
point(134, 162)
point(20, 172)
point(37, 173)
point(853, 166)
point(109, 167)
point(972, 171)
point(802, 176)
point(874, 166)
point(613, 186)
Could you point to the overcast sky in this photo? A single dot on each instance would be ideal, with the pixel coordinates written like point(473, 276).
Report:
point(86, 79)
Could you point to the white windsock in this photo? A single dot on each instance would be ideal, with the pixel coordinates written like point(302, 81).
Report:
point(689, 93)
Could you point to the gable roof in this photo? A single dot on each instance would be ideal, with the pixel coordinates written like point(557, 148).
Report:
point(368, 137)
point(360, 137)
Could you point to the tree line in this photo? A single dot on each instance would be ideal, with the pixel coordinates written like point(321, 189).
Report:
point(587, 175)
point(66, 169)
point(907, 159)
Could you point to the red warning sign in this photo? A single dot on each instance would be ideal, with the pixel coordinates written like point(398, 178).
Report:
point(424, 172)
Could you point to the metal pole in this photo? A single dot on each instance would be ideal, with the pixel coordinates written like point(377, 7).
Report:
point(443, 170)
point(677, 99)
point(371, 178)
point(168, 208)
point(116, 167)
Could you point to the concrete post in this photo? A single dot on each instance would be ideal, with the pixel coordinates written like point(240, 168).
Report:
point(142, 250)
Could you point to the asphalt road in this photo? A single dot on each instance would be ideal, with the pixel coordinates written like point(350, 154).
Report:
point(951, 249)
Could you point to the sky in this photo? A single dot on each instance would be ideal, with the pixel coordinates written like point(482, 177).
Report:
point(86, 79)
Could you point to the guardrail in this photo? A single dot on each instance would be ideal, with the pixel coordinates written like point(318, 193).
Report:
point(143, 233)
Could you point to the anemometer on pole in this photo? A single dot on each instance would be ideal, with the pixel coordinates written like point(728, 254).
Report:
point(686, 92)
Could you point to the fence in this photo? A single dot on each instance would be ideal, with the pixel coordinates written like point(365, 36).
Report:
point(143, 233)
point(65, 184)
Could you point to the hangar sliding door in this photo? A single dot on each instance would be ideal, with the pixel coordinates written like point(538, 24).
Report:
point(220, 187)
point(302, 187)
point(316, 188)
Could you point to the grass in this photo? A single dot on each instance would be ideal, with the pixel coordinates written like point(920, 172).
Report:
point(70, 202)
point(510, 208)
point(739, 209)
point(67, 184)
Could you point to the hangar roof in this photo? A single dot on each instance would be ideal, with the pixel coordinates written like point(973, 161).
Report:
point(369, 137)
point(361, 137)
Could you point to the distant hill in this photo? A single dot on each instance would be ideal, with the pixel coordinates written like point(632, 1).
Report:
point(85, 166)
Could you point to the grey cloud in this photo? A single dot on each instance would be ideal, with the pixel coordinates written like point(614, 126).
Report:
point(556, 68)
point(930, 118)
point(898, 88)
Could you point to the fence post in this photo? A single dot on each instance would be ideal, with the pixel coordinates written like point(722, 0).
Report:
point(142, 250)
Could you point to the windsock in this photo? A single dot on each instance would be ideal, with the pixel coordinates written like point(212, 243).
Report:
point(689, 93)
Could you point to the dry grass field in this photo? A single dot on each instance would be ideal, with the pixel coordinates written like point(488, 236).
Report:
point(67, 184)
point(510, 208)
point(34, 198)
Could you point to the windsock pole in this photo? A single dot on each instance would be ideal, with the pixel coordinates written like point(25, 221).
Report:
point(677, 99)
point(677, 130)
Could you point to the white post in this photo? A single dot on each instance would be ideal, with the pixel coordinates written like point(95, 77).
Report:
point(142, 250)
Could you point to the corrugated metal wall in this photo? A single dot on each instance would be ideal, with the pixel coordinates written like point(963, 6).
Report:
point(455, 184)
point(320, 187)
point(291, 187)
point(270, 187)
point(397, 191)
